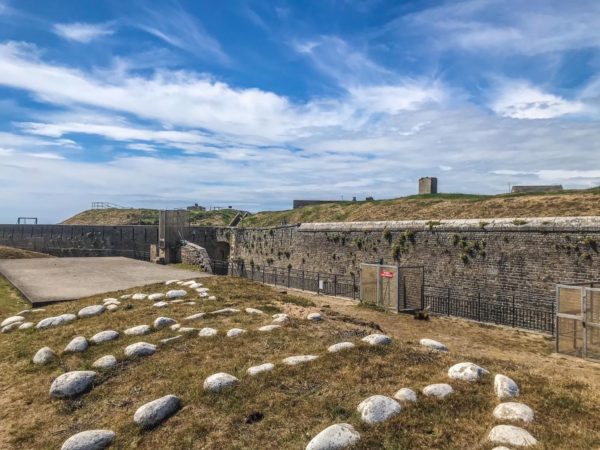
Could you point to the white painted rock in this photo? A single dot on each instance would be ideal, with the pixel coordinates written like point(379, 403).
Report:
point(378, 408)
point(171, 282)
point(340, 346)
point(162, 322)
point(434, 345)
point(505, 387)
point(190, 303)
point(212, 297)
point(24, 312)
point(157, 411)
point(207, 332)
point(156, 296)
point(176, 293)
point(160, 305)
point(77, 345)
point(10, 320)
point(226, 311)
point(111, 300)
point(139, 296)
point(513, 411)
point(13, 326)
point(300, 359)
point(268, 328)
point(511, 435)
point(334, 437)
point(187, 329)
point(175, 302)
point(91, 311)
point(189, 283)
point(377, 339)
point(282, 320)
point(89, 440)
point(406, 395)
point(466, 371)
point(138, 330)
point(255, 370)
point(44, 355)
point(501, 448)
point(73, 383)
point(202, 289)
point(111, 307)
point(235, 332)
point(253, 311)
point(26, 325)
point(195, 285)
point(125, 296)
point(219, 382)
point(314, 316)
point(139, 349)
point(106, 362)
point(195, 316)
point(439, 390)
point(104, 336)
point(55, 321)
point(175, 327)
point(171, 339)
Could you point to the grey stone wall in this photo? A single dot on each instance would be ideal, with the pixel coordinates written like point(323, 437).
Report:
point(497, 258)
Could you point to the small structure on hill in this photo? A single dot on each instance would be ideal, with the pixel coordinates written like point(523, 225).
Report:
point(428, 185)
point(196, 207)
point(538, 188)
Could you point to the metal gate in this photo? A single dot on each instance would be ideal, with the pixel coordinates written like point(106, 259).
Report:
point(392, 287)
point(578, 320)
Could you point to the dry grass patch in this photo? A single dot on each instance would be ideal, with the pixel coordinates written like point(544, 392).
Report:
point(284, 408)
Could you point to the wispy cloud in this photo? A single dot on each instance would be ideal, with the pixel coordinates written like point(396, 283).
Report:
point(170, 23)
point(83, 32)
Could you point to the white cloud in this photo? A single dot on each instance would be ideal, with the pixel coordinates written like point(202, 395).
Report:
point(519, 100)
point(83, 32)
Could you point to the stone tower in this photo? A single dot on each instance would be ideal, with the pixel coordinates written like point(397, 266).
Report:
point(427, 185)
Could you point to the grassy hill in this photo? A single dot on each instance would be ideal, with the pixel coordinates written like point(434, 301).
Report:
point(130, 216)
point(441, 206)
point(425, 207)
point(285, 408)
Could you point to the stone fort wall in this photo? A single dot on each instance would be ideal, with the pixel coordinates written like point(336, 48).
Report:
point(497, 259)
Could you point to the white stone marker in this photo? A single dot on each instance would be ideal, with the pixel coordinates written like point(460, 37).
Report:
point(91, 311)
point(195, 316)
point(207, 332)
point(235, 332)
point(26, 325)
point(268, 328)
point(11, 320)
point(406, 395)
point(219, 382)
point(44, 355)
point(511, 435)
point(162, 322)
point(138, 330)
point(438, 390)
point(505, 387)
point(377, 339)
point(55, 321)
point(13, 326)
point(467, 371)
point(299, 359)
point(253, 311)
point(78, 344)
point(226, 311)
point(340, 346)
point(334, 437)
point(104, 336)
point(315, 316)
point(140, 349)
point(433, 345)
point(157, 411)
point(89, 440)
point(105, 362)
point(160, 304)
point(255, 370)
point(139, 296)
point(513, 411)
point(156, 296)
point(378, 408)
point(73, 383)
point(176, 293)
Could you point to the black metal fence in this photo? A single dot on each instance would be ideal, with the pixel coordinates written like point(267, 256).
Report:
point(323, 283)
point(500, 311)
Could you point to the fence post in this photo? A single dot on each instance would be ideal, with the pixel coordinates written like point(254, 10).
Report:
point(513, 310)
point(448, 303)
point(275, 272)
point(353, 287)
point(289, 273)
point(335, 285)
point(318, 282)
point(302, 279)
point(263, 274)
point(479, 306)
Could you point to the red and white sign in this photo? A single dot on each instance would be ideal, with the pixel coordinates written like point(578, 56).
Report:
point(386, 274)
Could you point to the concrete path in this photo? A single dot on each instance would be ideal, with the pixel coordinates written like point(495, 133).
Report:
point(48, 280)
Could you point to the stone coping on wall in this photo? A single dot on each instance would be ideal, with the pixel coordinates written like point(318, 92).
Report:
point(503, 224)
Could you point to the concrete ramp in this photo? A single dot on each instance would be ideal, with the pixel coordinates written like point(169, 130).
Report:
point(48, 280)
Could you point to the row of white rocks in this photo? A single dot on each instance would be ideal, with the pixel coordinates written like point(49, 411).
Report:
point(157, 411)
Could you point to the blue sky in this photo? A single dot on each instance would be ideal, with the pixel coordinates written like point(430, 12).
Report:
point(254, 103)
